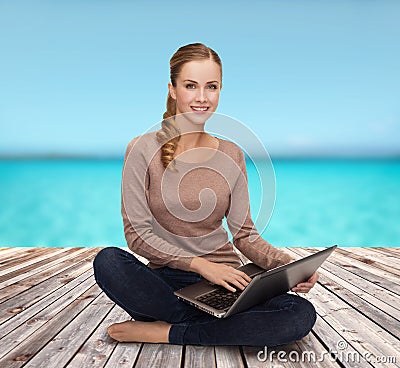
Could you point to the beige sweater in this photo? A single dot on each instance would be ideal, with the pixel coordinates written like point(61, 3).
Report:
point(169, 218)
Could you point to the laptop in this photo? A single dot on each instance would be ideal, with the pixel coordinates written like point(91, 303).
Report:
point(265, 284)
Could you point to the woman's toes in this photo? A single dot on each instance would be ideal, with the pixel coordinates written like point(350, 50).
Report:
point(111, 329)
point(116, 336)
point(115, 330)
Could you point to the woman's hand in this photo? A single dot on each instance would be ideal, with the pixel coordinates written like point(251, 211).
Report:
point(305, 287)
point(221, 274)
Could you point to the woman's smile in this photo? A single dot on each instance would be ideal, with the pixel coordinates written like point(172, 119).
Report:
point(199, 109)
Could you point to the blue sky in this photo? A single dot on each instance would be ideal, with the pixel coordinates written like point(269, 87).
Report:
point(308, 77)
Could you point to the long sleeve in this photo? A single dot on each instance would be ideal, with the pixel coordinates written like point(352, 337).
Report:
point(245, 236)
point(137, 216)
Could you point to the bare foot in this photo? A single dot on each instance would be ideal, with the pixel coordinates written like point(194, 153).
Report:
point(139, 331)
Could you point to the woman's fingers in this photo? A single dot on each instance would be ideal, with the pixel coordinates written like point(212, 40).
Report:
point(229, 276)
point(244, 275)
point(227, 286)
point(301, 289)
point(305, 287)
point(237, 283)
point(239, 280)
point(314, 278)
point(229, 282)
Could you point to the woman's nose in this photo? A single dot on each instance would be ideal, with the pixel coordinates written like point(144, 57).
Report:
point(201, 95)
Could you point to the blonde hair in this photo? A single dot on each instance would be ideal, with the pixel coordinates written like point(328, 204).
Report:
point(169, 134)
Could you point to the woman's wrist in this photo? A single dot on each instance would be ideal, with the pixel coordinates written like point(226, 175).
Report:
point(197, 264)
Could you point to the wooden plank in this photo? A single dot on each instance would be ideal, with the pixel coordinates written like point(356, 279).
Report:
point(286, 356)
point(381, 250)
point(8, 253)
point(331, 338)
point(22, 263)
point(98, 348)
point(228, 356)
point(391, 250)
point(124, 355)
point(16, 260)
point(17, 252)
point(59, 298)
point(199, 356)
point(306, 352)
point(21, 267)
point(362, 283)
point(61, 349)
point(268, 357)
point(32, 295)
point(388, 263)
point(314, 353)
point(18, 290)
point(257, 356)
point(31, 346)
point(23, 331)
point(381, 313)
point(12, 282)
point(159, 355)
point(357, 330)
point(371, 272)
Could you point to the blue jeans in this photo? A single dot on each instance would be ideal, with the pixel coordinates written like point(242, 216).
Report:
point(147, 295)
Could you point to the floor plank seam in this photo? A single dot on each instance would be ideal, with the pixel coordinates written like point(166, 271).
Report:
point(183, 360)
point(243, 357)
point(326, 347)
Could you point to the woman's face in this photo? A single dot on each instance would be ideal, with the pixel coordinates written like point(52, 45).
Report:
point(197, 89)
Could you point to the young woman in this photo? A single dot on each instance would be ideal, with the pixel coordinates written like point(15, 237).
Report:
point(152, 231)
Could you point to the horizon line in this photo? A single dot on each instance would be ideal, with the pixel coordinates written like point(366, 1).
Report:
point(55, 156)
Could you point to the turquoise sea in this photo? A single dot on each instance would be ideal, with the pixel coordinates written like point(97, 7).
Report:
point(319, 202)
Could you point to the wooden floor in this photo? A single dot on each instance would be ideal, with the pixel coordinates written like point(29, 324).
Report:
point(52, 314)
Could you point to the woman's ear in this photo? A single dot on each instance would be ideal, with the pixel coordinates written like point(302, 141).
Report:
point(172, 91)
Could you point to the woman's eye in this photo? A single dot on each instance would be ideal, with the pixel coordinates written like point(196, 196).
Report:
point(211, 86)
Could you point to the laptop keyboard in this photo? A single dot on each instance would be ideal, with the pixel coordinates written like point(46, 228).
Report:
point(220, 299)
